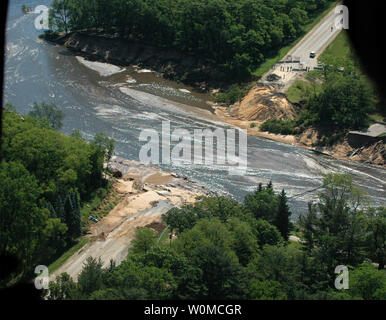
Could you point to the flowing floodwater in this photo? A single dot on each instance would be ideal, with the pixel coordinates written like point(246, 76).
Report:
point(124, 103)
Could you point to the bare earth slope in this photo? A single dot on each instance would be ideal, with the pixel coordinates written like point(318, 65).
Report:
point(147, 192)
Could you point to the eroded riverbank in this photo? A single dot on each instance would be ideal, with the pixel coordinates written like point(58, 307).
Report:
point(124, 73)
point(38, 71)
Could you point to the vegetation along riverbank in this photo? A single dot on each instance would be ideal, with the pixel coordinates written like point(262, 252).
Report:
point(224, 54)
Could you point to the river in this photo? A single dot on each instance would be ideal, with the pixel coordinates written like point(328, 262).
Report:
point(37, 71)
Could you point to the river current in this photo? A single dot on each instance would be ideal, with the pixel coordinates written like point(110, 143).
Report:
point(37, 71)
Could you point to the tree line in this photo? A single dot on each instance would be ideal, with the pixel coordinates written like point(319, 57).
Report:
point(45, 176)
point(221, 249)
point(234, 35)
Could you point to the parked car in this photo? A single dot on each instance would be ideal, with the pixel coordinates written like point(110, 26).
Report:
point(94, 219)
point(312, 54)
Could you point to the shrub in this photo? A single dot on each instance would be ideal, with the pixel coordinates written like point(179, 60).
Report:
point(280, 126)
point(234, 94)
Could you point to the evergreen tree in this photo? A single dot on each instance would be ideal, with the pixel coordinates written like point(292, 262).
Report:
point(282, 219)
point(72, 214)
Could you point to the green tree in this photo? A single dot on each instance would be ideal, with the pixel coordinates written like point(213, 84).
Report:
point(282, 219)
point(282, 265)
point(76, 134)
point(335, 227)
point(343, 104)
point(49, 112)
point(91, 277)
point(62, 288)
point(220, 273)
point(266, 233)
point(72, 214)
point(106, 144)
point(60, 15)
point(262, 204)
point(368, 283)
point(245, 244)
point(144, 240)
point(376, 237)
point(266, 290)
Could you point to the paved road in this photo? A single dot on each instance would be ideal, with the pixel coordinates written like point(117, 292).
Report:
point(116, 245)
point(373, 131)
point(316, 40)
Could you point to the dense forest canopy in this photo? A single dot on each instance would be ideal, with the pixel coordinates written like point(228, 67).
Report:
point(236, 35)
point(45, 176)
point(222, 249)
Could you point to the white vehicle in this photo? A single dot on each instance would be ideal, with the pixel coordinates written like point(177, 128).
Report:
point(312, 54)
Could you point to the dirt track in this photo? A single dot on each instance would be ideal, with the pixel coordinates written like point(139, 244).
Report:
point(147, 192)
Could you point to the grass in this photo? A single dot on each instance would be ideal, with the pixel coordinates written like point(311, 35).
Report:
point(340, 47)
point(301, 90)
point(101, 203)
point(64, 257)
point(267, 64)
point(382, 135)
point(377, 117)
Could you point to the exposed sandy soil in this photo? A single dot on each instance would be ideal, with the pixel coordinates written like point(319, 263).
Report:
point(263, 103)
point(259, 105)
point(224, 116)
point(374, 154)
point(146, 193)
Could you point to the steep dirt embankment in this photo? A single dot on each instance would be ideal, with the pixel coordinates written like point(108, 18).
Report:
point(264, 103)
point(372, 154)
point(170, 63)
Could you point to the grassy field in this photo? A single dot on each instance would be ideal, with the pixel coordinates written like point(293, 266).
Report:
point(301, 90)
point(63, 258)
point(266, 66)
point(340, 47)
